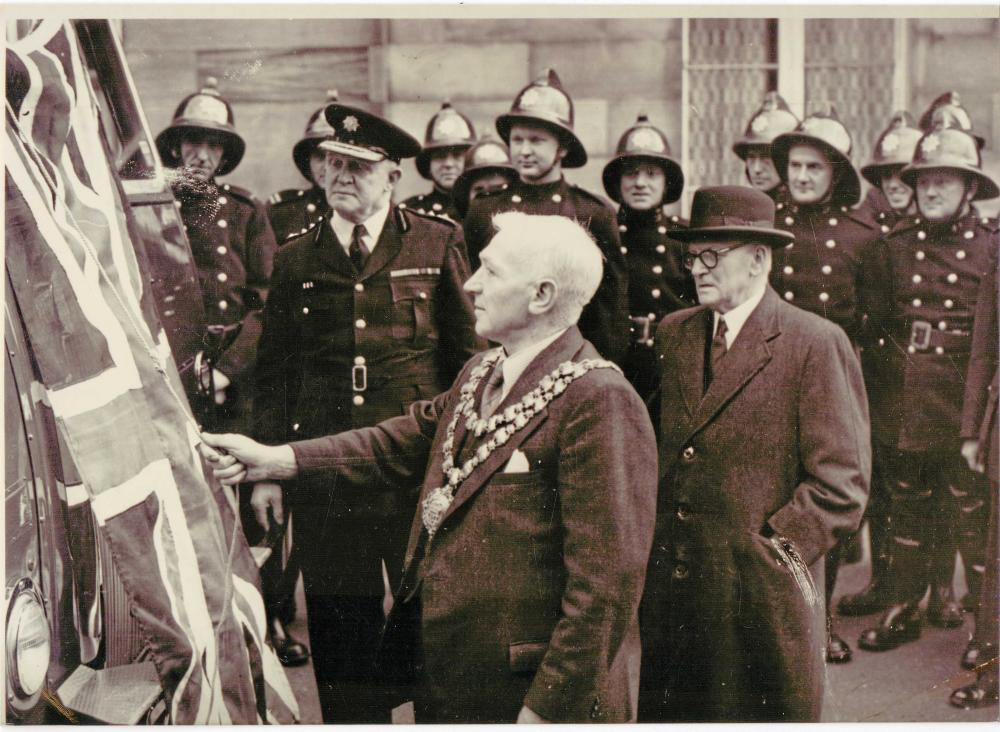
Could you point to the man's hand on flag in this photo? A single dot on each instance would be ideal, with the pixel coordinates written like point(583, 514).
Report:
point(238, 459)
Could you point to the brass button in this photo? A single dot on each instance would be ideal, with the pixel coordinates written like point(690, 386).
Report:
point(830, 243)
point(960, 254)
point(788, 269)
point(953, 278)
point(223, 305)
point(683, 511)
point(223, 200)
point(656, 293)
point(921, 235)
point(688, 453)
point(789, 295)
point(833, 222)
point(358, 400)
point(305, 311)
point(515, 198)
point(436, 206)
point(222, 277)
point(661, 249)
point(917, 302)
point(359, 360)
point(222, 223)
point(360, 323)
point(920, 256)
point(624, 250)
point(942, 325)
point(826, 269)
point(657, 269)
point(968, 235)
point(662, 229)
point(622, 228)
point(358, 287)
point(949, 304)
point(221, 249)
point(824, 296)
point(939, 350)
point(422, 295)
point(311, 207)
point(917, 279)
point(789, 220)
point(680, 571)
point(556, 198)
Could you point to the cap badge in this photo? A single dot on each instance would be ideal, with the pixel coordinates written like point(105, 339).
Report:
point(646, 139)
point(530, 98)
point(351, 123)
point(451, 126)
point(760, 123)
point(890, 144)
point(207, 108)
point(930, 144)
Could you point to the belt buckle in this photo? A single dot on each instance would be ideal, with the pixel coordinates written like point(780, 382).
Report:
point(645, 335)
point(920, 335)
point(359, 377)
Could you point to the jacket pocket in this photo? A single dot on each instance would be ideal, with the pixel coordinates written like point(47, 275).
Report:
point(789, 557)
point(525, 658)
point(413, 307)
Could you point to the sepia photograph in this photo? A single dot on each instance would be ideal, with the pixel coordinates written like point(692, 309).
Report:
point(494, 364)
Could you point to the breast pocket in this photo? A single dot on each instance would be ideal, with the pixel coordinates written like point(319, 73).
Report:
point(414, 308)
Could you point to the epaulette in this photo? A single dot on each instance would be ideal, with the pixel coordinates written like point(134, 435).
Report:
point(306, 230)
point(239, 193)
point(288, 195)
point(990, 224)
point(592, 196)
point(402, 213)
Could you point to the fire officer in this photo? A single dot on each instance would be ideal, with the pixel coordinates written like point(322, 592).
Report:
point(643, 178)
point(441, 160)
point(893, 200)
point(539, 130)
point(889, 198)
point(487, 169)
point(366, 316)
point(924, 278)
point(820, 271)
point(231, 239)
point(754, 148)
point(295, 210)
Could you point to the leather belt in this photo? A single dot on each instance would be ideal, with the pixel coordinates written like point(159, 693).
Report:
point(643, 329)
point(924, 336)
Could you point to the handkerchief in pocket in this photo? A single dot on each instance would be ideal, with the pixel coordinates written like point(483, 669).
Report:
point(518, 463)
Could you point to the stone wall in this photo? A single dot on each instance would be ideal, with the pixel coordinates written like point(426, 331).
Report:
point(276, 72)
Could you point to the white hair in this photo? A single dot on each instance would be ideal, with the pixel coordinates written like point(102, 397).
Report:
point(558, 248)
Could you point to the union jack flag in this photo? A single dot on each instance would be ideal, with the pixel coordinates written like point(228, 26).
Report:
point(109, 378)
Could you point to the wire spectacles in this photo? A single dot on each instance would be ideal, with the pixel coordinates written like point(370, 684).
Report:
point(708, 257)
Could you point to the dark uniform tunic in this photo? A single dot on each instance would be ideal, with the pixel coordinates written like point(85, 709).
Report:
point(819, 271)
point(658, 284)
point(435, 203)
point(292, 212)
point(919, 292)
point(876, 210)
point(342, 350)
point(604, 321)
point(233, 247)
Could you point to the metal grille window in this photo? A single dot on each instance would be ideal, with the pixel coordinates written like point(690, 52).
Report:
point(850, 63)
point(729, 64)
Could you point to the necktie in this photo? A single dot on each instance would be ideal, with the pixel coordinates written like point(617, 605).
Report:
point(718, 350)
point(493, 391)
point(358, 251)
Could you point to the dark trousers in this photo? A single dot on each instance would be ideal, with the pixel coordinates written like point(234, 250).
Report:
point(277, 578)
point(988, 613)
point(937, 507)
point(344, 632)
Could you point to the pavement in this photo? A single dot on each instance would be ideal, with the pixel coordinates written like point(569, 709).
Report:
point(908, 684)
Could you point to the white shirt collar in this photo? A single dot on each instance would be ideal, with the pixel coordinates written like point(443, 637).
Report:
point(514, 366)
point(374, 224)
point(737, 317)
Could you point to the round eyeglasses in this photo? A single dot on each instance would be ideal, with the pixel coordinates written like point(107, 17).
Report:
point(708, 257)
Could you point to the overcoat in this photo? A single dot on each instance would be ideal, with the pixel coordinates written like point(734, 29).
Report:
point(529, 590)
point(759, 477)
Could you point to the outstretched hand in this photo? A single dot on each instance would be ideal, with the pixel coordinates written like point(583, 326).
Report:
point(237, 459)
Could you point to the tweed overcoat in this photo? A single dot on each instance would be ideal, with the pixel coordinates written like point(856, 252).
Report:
point(529, 590)
point(759, 476)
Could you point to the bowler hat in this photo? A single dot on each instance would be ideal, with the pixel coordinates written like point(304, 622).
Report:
point(733, 212)
point(364, 135)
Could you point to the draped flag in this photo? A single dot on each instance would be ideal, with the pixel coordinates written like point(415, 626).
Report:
point(109, 378)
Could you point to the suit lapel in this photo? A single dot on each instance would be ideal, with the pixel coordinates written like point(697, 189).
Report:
point(390, 242)
point(565, 348)
point(749, 354)
point(690, 359)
